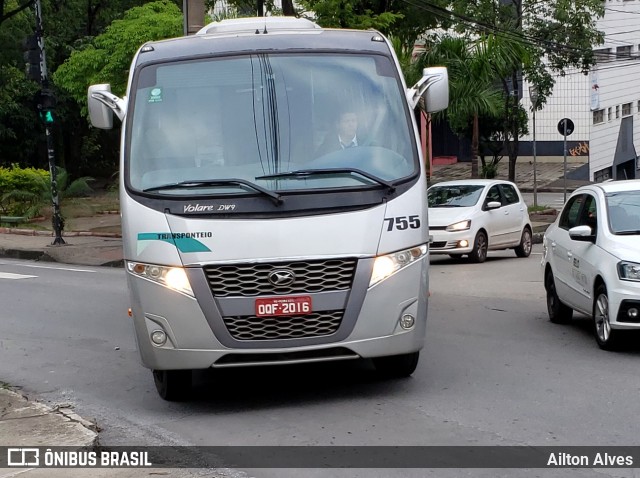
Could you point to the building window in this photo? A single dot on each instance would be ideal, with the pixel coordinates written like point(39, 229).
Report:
point(623, 52)
point(603, 55)
point(617, 111)
point(609, 114)
point(598, 116)
point(602, 175)
point(626, 109)
point(638, 106)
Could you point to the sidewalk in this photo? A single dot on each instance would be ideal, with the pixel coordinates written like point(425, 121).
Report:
point(24, 422)
point(549, 175)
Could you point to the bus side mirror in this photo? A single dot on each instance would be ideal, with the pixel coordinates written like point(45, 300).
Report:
point(102, 104)
point(432, 91)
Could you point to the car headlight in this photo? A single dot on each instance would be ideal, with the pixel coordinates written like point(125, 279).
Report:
point(171, 277)
point(459, 226)
point(629, 271)
point(387, 265)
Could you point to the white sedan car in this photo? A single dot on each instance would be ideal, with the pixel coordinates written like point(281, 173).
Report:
point(474, 216)
point(591, 259)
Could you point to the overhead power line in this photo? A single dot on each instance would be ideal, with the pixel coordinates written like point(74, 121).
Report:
point(484, 27)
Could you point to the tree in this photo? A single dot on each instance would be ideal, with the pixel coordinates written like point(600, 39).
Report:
point(558, 35)
point(108, 57)
point(405, 20)
point(475, 67)
point(9, 8)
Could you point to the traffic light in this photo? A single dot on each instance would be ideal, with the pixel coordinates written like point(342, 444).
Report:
point(32, 58)
point(47, 100)
point(46, 103)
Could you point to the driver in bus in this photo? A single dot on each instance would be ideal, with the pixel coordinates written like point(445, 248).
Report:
point(344, 137)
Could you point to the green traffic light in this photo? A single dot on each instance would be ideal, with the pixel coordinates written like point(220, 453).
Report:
point(48, 117)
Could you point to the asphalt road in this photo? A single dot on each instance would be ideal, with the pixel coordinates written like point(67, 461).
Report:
point(495, 371)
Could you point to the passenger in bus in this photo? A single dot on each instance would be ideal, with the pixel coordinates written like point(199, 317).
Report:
point(345, 134)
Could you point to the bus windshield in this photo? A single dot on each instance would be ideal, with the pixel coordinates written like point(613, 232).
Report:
point(197, 124)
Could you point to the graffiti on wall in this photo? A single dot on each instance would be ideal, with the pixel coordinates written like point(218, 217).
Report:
point(581, 149)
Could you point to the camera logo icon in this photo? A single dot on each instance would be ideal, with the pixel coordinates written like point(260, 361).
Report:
point(23, 457)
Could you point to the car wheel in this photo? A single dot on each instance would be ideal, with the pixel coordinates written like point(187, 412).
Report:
point(479, 252)
point(173, 385)
point(559, 313)
point(606, 337)
point(524, 248)
point(397, 366)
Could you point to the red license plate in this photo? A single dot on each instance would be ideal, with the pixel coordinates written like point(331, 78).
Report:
point(283, 306)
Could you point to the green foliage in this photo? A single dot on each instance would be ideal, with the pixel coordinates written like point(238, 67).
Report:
point(107, 58)
point(22, 190)
point(404, 52)
point(77, 188)
point(475, 66)
point(25, 179)
point(405, 20)
point(358, 14)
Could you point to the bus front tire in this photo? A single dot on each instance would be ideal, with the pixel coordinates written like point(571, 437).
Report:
point(173, 385)
point(397, 366)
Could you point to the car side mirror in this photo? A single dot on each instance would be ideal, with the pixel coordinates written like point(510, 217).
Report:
point(494, 204)
point(582, 233)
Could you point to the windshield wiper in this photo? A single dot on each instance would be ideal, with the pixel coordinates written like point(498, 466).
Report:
point(203, 183)
point(305, 173)
point(628, 233)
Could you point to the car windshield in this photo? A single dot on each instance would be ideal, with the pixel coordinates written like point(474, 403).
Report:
point(624, 212)
point(454, 195)
point(254, 118)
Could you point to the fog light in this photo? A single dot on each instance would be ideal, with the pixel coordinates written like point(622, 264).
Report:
point(463, 243)
point(158, 337)
point(632, 313)
point(407, 321)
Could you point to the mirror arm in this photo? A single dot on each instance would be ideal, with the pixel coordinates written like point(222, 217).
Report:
point(415, 93)
point(112, 101)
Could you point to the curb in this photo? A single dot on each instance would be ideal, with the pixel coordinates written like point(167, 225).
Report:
point(26, 254)
point(33, 232)
point(47, 422)
point(118, 263)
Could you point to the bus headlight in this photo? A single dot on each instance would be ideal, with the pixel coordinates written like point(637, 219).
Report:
point(172, 277)
point(387, 265)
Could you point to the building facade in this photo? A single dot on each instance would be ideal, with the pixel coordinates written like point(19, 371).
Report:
point(604, 105)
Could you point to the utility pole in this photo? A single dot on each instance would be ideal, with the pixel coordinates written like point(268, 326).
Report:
point(533, 96)
point(37, 63)
point(193, 14)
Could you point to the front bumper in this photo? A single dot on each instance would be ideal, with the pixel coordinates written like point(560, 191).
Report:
point(444, 242)
point(623, 296)
point(198, 339)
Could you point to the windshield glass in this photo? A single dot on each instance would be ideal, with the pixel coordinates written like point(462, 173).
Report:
point(253, 117)
point(624, 212)
point(454, 196)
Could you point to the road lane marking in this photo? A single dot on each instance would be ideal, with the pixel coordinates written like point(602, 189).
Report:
point(9, 275)
point(46, 267)
point(16, 473)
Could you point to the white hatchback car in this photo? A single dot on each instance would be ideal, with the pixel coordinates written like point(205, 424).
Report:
point(473, 216)
point(591, 259)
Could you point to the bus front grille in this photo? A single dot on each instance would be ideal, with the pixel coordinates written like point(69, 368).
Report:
point(248, 280)
point(316, 324)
